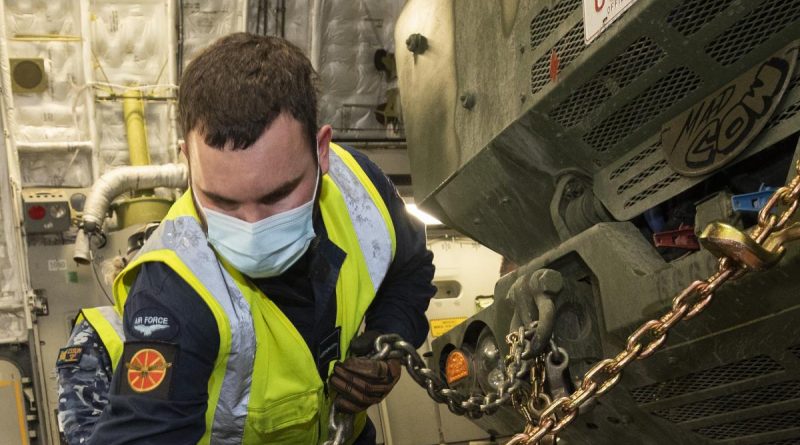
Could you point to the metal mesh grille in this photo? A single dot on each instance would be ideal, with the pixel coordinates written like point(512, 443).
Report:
point(660, 185)
point(691, 15)
point(721, 375)
point(752, 426)
point(657, 98)
point(734, 402)
point(567, 49)
point(548, 20)
point(788, 113)
point(635, 160)
point(582, 102)
point(754, 29)
point(649, 171)
point(796, 78)
point(619, 73)
point(795, 350)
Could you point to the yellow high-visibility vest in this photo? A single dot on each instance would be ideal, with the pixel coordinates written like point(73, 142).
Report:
point(105, 320)
point(265, 387)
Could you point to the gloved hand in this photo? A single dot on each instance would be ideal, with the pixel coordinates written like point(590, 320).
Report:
point(362, 382)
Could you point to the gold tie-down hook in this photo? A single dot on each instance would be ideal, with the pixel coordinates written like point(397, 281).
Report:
point(724, 240)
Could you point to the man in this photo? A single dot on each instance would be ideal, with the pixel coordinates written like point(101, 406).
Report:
point(255, 283)
point(84, 369)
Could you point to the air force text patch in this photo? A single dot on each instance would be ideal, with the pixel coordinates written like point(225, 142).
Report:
point(154, 324)
point(148, 369)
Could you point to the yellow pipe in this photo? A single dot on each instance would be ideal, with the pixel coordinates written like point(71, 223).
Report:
point(142, 206)
point(133, 113)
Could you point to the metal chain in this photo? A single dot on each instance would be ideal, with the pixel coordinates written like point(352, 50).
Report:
point(392, 346)
point(646, 340)
point(340, 426)
point(531, 405)
point(516, 369)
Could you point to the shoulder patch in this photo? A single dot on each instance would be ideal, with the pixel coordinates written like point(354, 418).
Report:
point(70, 355)
point(148, 368)
point(154, 324)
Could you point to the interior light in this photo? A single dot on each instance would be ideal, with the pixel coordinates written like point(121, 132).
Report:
point(422, 216)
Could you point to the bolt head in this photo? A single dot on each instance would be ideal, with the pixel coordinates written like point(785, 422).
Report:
point(417, 43)
point(467, 100)
point(574, 189)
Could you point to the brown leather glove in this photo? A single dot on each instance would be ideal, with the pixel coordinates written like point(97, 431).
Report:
point(362, 382)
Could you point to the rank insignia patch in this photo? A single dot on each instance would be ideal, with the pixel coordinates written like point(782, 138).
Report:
point(148, 368)
point(71, 355)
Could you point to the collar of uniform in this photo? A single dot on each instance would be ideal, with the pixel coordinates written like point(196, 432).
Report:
point(326, 261)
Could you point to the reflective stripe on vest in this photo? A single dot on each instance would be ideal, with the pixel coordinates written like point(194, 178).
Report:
point(183, 236)
point(108, 324)
point(265, 387)
point(368, 222)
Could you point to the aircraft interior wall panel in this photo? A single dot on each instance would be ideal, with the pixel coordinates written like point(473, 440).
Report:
point(297, 28)
point(49, 115)
point(351, 86)
point(49, 31)
point(12, 316)
point(12, 325)
point(205, 21)
point(129, 42)
point(113, 140)
point(58, 169)
point(67, 287)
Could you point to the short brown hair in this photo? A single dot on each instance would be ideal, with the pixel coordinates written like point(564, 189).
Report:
point(236, 87)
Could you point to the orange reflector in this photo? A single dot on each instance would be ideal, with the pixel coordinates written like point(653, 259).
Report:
point(457, 367)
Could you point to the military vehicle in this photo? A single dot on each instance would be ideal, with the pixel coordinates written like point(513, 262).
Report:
point(591, 142)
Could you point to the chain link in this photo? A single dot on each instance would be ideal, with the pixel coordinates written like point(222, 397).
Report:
point(652, 334)
point(340, 426)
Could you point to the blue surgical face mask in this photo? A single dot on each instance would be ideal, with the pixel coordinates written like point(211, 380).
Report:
point(265, 248)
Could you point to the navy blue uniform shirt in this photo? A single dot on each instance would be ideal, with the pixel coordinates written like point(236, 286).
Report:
point(305, 294)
